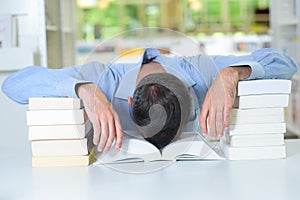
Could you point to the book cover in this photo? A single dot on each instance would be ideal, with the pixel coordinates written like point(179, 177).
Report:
point(189, 146)
point(69, 147)
point(261, 101)
point(55, 117)
point(69, 131)
point(54, 103)
point(266, 86)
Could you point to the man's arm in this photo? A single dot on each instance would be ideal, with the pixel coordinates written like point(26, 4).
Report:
point(219, 100)
point(101, 113)
point(220, 78)
point(35, 81)
point(265, 63)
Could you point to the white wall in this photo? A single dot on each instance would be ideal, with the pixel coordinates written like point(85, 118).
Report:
point(32, 37)
point(31, 25)
point(13, 132)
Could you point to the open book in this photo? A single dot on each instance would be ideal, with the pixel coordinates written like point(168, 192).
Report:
point(189, 146)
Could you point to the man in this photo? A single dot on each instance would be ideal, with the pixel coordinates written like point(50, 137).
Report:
point(209, 82)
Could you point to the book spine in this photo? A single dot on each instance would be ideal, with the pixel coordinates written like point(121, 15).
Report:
point(243, 129)
point(59, 147)
point(54, 103)
point(257, 120)
point(55, 117)
point(57, 132)
point(267, 86)
point(60, 161)
point(251, 153)
point(254, 140)
point(261, 101)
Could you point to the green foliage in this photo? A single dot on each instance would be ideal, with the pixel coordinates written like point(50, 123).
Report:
point(114, 19)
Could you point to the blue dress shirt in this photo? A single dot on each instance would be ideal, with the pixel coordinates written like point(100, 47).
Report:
point(117, 81)
point(197, 71)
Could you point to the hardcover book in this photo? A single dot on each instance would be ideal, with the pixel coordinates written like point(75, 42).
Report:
point(61, 161)
point(254, 140)
point(55, 117)
point(253, 153)
point(54, 103)
point(70, 131)
point(266, 86)
point(69, 147)
point(257, 115)
point(261, 101)
point(262, 128)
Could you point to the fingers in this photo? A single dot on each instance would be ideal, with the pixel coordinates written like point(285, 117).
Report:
point(96, 127)
point(214, 116)
point(227, 116)
point(203, 117)
point(203, 121)
point(218, 103)
point(216, 123)
point(103, 136)
point(110, 128)
point(227, 109)
point(111, 136)
point(119, 132)
point(219, 123)
point(101, 113)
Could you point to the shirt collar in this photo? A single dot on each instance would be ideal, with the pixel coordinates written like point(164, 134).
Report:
point(127, 84)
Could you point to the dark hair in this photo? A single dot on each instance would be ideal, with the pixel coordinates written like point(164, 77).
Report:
point(161, 106)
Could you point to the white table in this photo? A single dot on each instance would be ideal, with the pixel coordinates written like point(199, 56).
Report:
point(264, 179)
point(201, 180)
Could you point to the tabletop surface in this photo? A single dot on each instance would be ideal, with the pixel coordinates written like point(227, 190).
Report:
point(262, 179)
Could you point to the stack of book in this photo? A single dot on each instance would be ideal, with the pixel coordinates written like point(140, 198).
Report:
point(59, 132)
point(257, 121)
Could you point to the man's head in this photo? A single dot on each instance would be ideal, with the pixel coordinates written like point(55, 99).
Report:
point(161, 107)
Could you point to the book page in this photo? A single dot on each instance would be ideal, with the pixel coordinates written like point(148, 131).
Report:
point(132, 150)
point(190, 146)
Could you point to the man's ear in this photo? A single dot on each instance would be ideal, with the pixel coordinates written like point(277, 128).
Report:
point(129, 101)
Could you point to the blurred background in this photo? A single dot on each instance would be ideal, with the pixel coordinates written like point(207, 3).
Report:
point(238, 26)
point(59, 33)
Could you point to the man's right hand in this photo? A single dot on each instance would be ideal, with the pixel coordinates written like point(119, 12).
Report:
point(104, 118)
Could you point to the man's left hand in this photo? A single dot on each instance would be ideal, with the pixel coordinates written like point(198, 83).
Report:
point(219, 100)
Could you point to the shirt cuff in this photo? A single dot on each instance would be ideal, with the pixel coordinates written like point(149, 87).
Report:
point(257, 71)
point(77, 84)
point(67, 87)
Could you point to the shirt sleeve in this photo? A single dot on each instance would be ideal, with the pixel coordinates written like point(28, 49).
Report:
point(265, 63)
point(35, 81)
